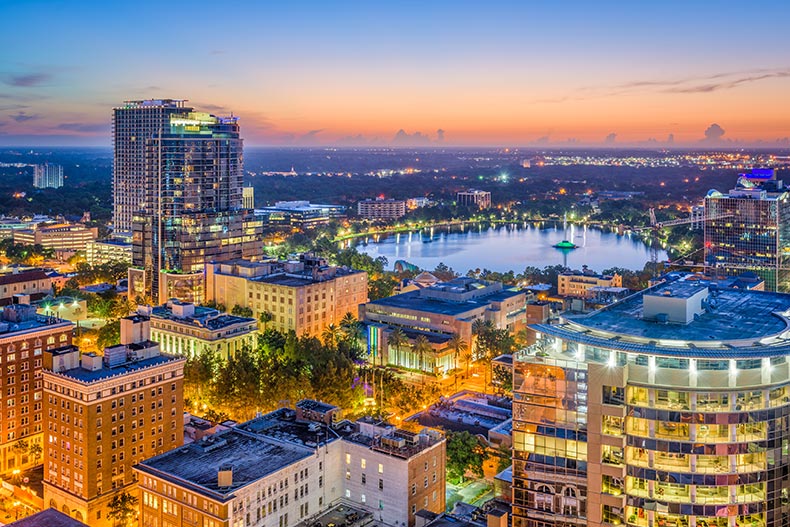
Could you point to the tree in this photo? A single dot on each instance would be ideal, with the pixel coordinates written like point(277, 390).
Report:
point(21, 447)
point(420, 348)
point(459, 347)
point(122, 509)
point(35, 450)
point(241, 311)
point(504, 458)
point(396, 339)
point(464, 454)
point(265, 317)
point(109, 334)
point(329, 336)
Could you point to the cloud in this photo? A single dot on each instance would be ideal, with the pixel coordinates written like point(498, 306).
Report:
point(440, 136)
point(28, 80)
point(610, 139)
point(217, 52)
point(87, 128)
point(309, 138)
point(405, 139)
point(714, 133)
point(21, 117)
point(210, 107)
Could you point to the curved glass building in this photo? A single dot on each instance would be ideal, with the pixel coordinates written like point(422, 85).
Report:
point(670, 408)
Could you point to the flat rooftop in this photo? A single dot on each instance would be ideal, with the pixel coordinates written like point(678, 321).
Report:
point(282, 425)
point(204, 317)
point(738, 323)
point(474, 412)
point(252, 458)
point(412, 300)
point(88, 377)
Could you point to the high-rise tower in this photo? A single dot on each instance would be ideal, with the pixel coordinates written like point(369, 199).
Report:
point(133, 124)
point(190, 210)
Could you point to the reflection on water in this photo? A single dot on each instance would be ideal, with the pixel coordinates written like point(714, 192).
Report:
point(510, 247)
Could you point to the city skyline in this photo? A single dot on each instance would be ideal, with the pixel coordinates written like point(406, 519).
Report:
point(355, 74)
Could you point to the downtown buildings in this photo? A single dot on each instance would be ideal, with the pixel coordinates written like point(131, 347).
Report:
point(668, 408)
point(748, 229)
point(181, 194)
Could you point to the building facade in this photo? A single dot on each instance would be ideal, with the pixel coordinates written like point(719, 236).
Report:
point(30, 285)
point(58, 237)
point(288, 466)
point(580, 285)
point(133, 124)
point(748, 229)
point(437, 312)
point(102, 252)
point(24, 337)
point(105, 414)
point(474, 198)
point(191, 210)
point(189, 330)
point(666, 408)
point(304, 295)
point(47, 175)
point(381, 209)
point(301, 214)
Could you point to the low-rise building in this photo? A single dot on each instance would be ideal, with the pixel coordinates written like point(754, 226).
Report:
point(63, 307)
point(438, 312)
point(186, 329)
point(101, 252)
point(474, 198)
point(301, 214)
point(304, 295)
point(48, 518)
point(381, 209)
point(288, 466)
point(579, 283)
point(104, 415)
point(58, 237)
point(34, 284)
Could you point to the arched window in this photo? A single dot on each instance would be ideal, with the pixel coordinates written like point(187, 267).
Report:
point(544, 498)
point(570, 502)
point(50, 339)
point(63, 338)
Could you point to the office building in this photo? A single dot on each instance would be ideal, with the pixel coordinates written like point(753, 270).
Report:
point(474, 198)
point(69, 237)
point(47, 176)
point(186, 329)
point(191, 207)
point(666, 408)
point(105, 414)
point(287, 466)
point(134, 123)
point(582, 284)
point(381, 209)
point(248, 198)
point(24, 336)
point(438, 312)
point(303, 295)
point(102, 252)
point(748, 229)
point(302, 214)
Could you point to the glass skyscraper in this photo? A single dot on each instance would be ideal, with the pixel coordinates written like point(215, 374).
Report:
point(670, 408)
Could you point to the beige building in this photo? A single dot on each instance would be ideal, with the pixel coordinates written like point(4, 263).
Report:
point(33, 284)
point(186, 329)
point(474, 198)
point(304, 295)
point(580, 284)
point(105, 414)
point(58, 237)
point(286, 467)
point(108, 251)
point(24, 337)
point(381, 209)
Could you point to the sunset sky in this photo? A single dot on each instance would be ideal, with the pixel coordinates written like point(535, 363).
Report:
point(339, 73)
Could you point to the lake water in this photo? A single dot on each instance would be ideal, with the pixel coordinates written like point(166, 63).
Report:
point(510, 247)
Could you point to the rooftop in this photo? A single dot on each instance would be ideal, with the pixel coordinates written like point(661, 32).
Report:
point(204, 317)
point(734, 323)
point(474, 412)
point(47, 518)
point(252, 458)
point(88, 377)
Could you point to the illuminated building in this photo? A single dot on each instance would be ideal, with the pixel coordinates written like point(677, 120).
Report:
point(133, 124)
point(108, 251)
point(581, 284)
point(304, 296)
point(191, 208)
point(301, 214)
point(381, 209)
point(437, 312)
point(748, 229)
point(58, 237)
point(668, 408)
point(47, 176)
point(186, 329)
point(104, 414)
point(248, 198)
point(474, 198)
point(32, 285)
point(288, 466)
point(24, 337)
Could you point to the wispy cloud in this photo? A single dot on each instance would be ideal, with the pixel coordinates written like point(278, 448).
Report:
point(27, 80)
point(21, 117)
point(83, 127)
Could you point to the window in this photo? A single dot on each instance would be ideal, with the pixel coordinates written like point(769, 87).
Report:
point(381, 468)
point(348, 459)
point(362, 463)
point(381, 484)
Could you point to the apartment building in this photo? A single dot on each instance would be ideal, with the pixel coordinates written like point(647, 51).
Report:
point(185, 329)
point(289, 466)
point(108, 251)
point(581, 284)
point(104, 414)
point(24, 337)
point(304, 295)
point(381, 209)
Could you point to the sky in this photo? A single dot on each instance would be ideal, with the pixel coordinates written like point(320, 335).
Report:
point(488, 73)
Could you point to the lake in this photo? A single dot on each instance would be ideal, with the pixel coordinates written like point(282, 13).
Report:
point(509, 247)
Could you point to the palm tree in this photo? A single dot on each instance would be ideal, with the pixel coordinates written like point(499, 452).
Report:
point(122, 509)
point(265, 317)
point(459, 346)
point(329, 336)
point(396, 339)
point(420, 347)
